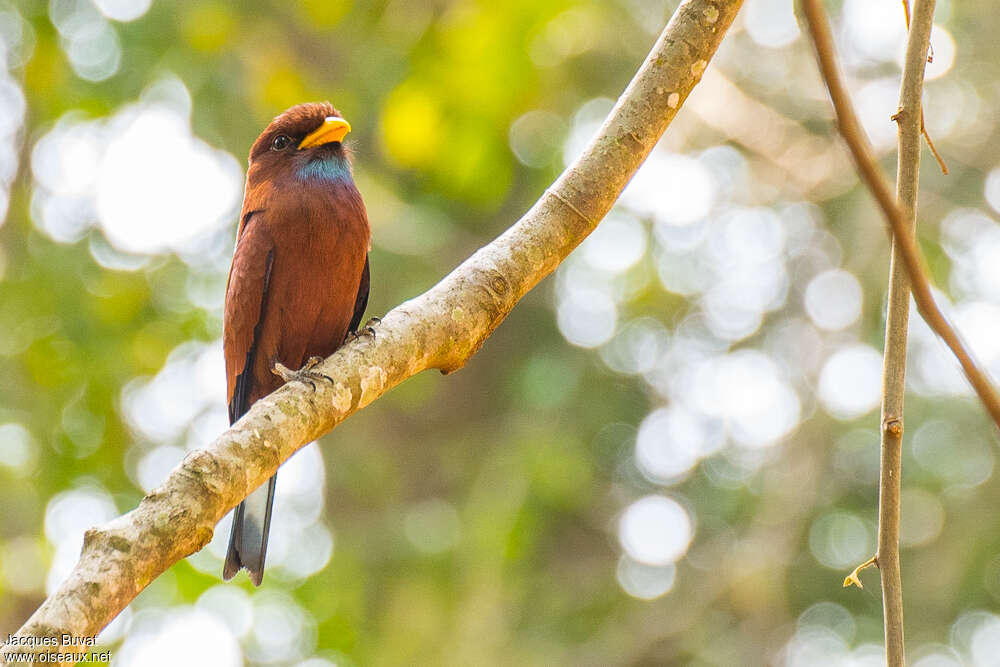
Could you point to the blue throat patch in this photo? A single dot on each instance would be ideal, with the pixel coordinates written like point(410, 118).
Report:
point(330, 169)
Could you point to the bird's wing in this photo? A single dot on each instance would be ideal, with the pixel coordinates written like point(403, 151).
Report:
point(361, 301)
point(246, 305)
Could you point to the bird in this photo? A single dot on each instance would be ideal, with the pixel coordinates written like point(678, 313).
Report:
point(298, 285)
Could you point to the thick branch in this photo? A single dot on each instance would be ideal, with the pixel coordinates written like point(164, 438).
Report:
point(860, 149)
point(440, 329)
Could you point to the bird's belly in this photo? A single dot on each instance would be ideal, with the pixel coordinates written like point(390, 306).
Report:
point(311, 303)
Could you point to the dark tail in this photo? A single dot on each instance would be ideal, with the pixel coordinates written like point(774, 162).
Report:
point(248, 540)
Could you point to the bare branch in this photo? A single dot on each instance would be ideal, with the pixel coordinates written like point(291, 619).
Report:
point(905, 267)
point(910, 125)
point(439, 329)
point(908, 251)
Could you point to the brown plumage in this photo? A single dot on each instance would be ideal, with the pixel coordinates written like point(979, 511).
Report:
point(299, 280)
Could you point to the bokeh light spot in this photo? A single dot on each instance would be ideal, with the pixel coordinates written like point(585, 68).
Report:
point(953, 455)
point(840, 540)
point(587, 317)
point(671, 441)
point(156, 465)
point(771, 23)
point(645, 582)
point(104, 172)
point(282, 630)
point(850, 381)
point(992, 188)
point(535, 138)
point(616, 245)
point(672, 189)
point(876, 102)
point(187, 636)
point(985, 646)
point(67, 516)
point(123, 10)
point(747, 390)
point(872, 30)
point(229, 604)
point(18, 450)
point(833, 299)
point(90, 42)
point(636, 347)
point(137, 199)
point(655, 530)
point(831, 616)
point(943, 48)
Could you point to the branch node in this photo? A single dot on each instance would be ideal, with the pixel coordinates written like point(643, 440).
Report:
point(893, 426)
point(499, 285)
point(899, 115)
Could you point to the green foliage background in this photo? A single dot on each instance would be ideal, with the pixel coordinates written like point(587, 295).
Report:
point(531, 445)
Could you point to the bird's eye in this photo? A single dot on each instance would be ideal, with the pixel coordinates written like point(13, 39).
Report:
point(280, 142)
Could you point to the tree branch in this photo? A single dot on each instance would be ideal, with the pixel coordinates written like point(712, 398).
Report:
point(904, 268)
point(439, 329)
point(909, 122)
point(860, 149)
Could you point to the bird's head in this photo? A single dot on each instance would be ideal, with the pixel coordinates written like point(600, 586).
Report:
point(304, 142)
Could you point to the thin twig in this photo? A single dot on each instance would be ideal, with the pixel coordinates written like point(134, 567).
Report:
point(860, 149)
point(923, 126)
point(930, 145)
point(910, 124)
point(901, 218)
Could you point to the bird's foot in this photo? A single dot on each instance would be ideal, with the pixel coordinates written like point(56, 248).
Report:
point(305, 375)
point(366, 329)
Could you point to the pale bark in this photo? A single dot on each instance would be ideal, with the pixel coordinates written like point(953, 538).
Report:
point(909, 121)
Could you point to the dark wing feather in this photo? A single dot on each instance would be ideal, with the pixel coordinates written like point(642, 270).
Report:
point(246, 306)
point(247, 296)
point(240, 402)
point(361, 301)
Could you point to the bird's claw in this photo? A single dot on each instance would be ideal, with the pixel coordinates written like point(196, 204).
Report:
point(367, 329)
point(305, 375)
